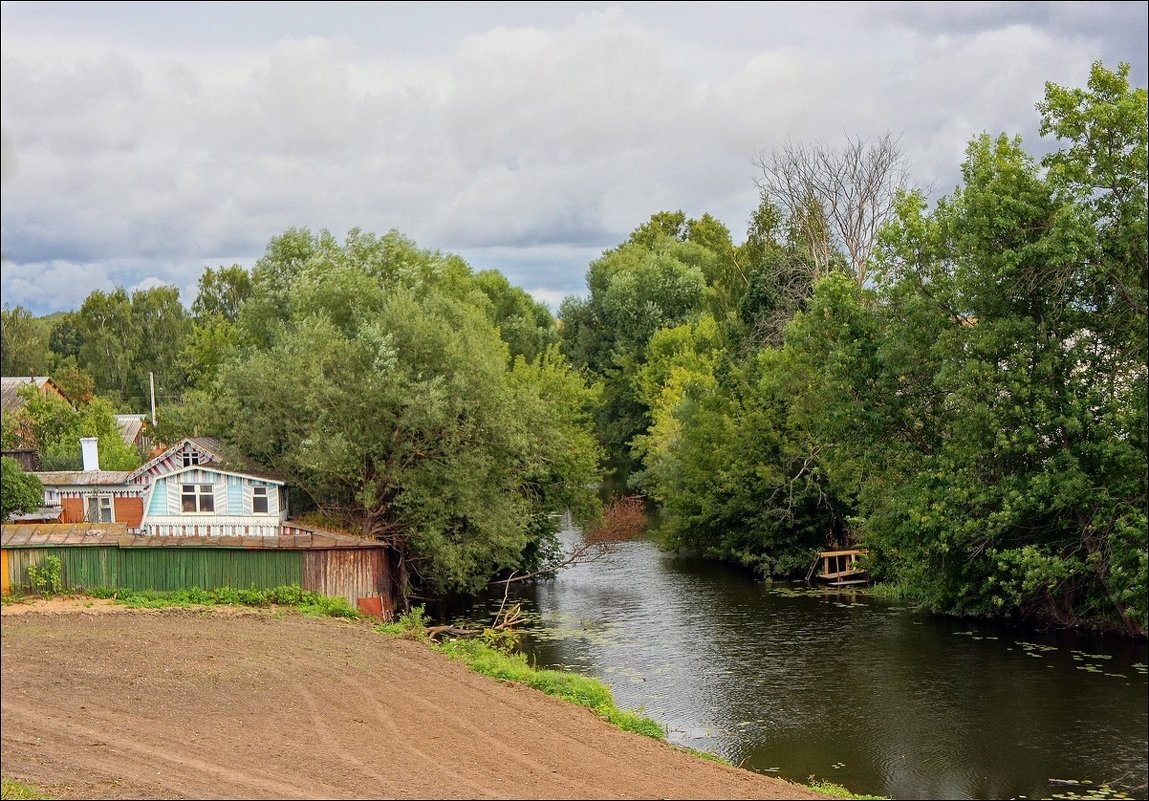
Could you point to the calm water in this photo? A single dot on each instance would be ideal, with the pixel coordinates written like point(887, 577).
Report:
point(844, 687)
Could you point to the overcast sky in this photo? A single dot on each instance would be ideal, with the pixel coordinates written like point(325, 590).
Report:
point(143, 142)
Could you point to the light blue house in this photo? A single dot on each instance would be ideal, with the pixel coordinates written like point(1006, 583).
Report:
point(209, 501)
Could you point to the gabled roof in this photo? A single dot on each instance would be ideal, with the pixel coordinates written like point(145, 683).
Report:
point(217, 468)
point(10, 399)
point(207, 445)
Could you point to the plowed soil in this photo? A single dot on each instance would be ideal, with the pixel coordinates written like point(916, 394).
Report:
point(105, 702)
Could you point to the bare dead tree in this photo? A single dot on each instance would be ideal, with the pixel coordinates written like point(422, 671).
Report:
point(836, 200)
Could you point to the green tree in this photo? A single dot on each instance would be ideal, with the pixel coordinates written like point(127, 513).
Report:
point(53, 428)
point(405, 414)
point(19, 491)
point(526, 325)
point(23, 343)
point(1032, 502)
point(222, 293)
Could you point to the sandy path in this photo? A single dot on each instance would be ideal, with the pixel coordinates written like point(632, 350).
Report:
point(103, 702)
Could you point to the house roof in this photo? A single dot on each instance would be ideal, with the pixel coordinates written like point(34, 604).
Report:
point(39, 535)
point(227, 471)
point(83, 478)
point(130, 426)
point(208, 445)
point(43, 514)
point(36, 535)
point(10, 399)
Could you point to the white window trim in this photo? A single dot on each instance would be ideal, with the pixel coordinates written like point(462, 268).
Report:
point(199, 493)
point(100, 498)
point(266, 500)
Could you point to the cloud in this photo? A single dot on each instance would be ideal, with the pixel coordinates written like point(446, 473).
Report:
point(529, 139)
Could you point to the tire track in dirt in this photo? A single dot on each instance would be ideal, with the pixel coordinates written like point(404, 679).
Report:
point(141, 761)
point(180, 705)
point(330, 741)
point(466, 725)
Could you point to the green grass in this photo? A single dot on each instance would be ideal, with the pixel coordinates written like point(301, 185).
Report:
point(578, 689)
point(304, 601)
point(12, 789)
point(574, 687)
point(838, 791)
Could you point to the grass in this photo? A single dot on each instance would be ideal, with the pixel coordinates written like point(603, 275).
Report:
point(838, 791)
point(12, 789)
point(291, 595)
point(574, 687)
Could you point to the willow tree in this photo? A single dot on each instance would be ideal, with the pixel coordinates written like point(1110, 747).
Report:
point(371, 376)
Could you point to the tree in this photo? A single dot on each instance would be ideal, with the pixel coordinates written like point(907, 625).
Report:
point(222, 293)
point(405, 417)
point(1031, 501)
point(23, 343)
point(19, 491)
point(836, 200)
point(51, 426)
point(526, 325)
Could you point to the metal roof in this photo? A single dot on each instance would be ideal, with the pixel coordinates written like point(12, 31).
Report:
point(130, 426)
point(40, 535)
point(83, 478)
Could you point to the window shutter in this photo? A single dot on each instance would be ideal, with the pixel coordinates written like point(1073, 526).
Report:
point(247, 499)
point(220, 491)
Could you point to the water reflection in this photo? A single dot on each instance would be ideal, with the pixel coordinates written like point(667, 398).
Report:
point(845, 687)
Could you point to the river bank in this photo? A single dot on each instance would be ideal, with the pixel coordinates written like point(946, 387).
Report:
point(103, 702)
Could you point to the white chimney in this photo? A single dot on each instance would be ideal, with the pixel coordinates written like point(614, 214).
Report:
point(90, 447)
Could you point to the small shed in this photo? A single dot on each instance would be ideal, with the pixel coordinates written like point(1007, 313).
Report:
point(108, 556)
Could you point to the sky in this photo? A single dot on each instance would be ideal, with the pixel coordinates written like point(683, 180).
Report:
point(145, 141)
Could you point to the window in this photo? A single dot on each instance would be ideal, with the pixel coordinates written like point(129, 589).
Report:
point(198, 498)
point(191, 457)
point(259, 500)
point(100, 509)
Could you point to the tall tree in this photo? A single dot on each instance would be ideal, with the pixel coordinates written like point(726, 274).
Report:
point(1033, 501)
point(836, 200)
point(23, 343)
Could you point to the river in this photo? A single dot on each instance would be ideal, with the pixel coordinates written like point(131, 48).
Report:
point(845, 687)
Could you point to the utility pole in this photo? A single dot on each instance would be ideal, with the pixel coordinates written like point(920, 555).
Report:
point(152, 383)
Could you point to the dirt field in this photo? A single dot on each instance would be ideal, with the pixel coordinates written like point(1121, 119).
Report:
point(103, 702)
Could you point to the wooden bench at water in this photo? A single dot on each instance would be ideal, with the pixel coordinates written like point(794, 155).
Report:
point(838, 568)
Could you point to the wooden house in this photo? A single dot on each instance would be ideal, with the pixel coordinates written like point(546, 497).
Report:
point(10, 386)
point(94, 495)
point(208, 501)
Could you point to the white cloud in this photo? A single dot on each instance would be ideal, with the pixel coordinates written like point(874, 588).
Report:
point(148, 144)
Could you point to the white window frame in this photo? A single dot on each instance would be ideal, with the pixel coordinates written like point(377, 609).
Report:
point(263, 493)
point(199, 494)
point(103, 503)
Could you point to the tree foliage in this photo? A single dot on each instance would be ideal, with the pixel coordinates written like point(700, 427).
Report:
point(19, 491)
point(372, 376)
